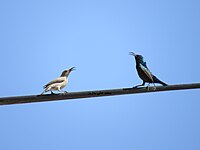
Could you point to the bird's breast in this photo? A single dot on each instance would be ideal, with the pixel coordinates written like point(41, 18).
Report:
point(144, 74)
point(64, 83)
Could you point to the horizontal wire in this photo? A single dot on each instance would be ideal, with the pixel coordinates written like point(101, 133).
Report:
point(94, 93)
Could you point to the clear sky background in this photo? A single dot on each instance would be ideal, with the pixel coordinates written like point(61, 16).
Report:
point(40, 38)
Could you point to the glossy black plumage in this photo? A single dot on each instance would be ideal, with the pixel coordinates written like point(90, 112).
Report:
point(144, 72)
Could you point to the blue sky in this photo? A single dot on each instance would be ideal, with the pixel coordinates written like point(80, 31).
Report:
point(39, 39)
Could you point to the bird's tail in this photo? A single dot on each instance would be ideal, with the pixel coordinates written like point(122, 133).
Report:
point(156, 80)
point(163, 83)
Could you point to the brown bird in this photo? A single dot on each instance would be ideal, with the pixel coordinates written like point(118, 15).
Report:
point(58, 83)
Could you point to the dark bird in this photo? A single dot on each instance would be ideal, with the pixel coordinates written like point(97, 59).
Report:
point(144, 72)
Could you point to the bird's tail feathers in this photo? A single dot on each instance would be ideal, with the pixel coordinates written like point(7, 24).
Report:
point(163, 83)
point(156, 80)
point(45, 86)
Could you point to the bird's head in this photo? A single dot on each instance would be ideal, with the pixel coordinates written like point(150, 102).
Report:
point(65, 73)
point(138, 58)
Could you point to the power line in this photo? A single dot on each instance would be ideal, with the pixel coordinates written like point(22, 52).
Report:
point(95, 93)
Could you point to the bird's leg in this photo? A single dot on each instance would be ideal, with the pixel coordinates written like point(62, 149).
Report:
point(154, 87)
point(42, 92)
point(148, 86)
point(143, 83)
point(52, 92)
point(65, 92)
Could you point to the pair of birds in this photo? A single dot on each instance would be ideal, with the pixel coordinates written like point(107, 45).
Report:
point(141, 67)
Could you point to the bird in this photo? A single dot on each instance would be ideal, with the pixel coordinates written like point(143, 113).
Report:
point(144, 72)
point(58, 83)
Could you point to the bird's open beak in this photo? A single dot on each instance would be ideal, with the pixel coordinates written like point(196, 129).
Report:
point(71, 69)
point(131, 53)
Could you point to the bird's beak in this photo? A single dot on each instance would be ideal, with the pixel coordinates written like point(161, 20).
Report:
point(131, 53)
point(71, 69)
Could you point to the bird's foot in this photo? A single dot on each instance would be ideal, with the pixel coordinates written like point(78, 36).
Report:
point(65, 92)
point(154, 88)
point(135, 87)
point(53, 93)
point(149, 88)
point(140, 85)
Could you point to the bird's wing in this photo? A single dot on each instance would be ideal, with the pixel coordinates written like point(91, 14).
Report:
point(146, 71)
point(145, 64)
point(57, 80)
